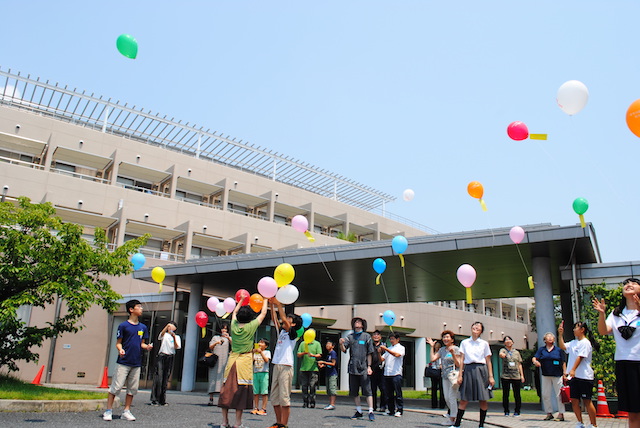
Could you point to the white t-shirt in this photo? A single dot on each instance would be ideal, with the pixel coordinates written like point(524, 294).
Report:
point(259, 364)
point(167, 345)
point(283, 353)
point(393, 365)
point(580, 348)
point(475, 351)
point(626, 349)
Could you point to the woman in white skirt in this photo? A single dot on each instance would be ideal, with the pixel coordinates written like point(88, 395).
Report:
point(219, 345)
point(476, 374)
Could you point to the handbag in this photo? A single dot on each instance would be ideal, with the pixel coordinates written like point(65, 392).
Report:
point(565, 394)
point(453, 377)
point(431, 371)
point(209, 359)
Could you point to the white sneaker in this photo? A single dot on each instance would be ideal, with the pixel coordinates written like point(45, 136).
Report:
point(446, 423)
point(397, 414)
point(128, 416)
point(107, 415)
point(579, 425)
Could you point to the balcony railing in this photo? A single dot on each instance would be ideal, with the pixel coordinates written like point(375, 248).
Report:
point(21, 163)
point(81, 176)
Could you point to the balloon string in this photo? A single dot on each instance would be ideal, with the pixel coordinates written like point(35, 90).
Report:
point(325, 266)
point(385, 290)
point(522, 259)
point(406, 288)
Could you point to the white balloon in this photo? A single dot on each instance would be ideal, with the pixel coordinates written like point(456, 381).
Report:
point(408, 195)
point(220, 309)
point(287, 294)
point(572, 97)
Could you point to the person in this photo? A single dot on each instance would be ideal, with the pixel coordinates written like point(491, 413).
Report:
point(219, 345)
point(170, 342)
point(512, 375)
point(476, 374)
point(393, 359)
point(377, 377)
point(261, 358)
point(449, 355)
point(623, 323)
point(308, 375)
point(579, 372)
point(237, 387)
point(361, 351)
point(131, 339)
point(550, 359)
point(331, 374)
point(436, 381)
point(283, 363)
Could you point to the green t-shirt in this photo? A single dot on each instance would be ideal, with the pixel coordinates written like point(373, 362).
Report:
point(243, 336)
point(309, 364)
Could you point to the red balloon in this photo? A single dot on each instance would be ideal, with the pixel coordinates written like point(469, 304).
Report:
point(243, 295)
point(202, 319)
point(518, 131)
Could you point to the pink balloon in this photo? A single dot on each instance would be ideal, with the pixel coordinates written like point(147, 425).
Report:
point(516, 234)
point(267, 287)
point(300, 224)
point(466, 275)
point(229, 304)
point(212, 303)
point(517, 131)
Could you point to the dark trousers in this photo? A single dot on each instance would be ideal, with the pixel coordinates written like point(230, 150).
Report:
point(377, 382)
point(308, 382)
point(506, 386)
point(393, 385)
point(164, 365)
point(436, 390)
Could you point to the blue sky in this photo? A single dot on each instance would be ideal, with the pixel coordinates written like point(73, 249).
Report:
point(395, 95)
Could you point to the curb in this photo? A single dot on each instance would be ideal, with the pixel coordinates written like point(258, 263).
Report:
point(55, 405)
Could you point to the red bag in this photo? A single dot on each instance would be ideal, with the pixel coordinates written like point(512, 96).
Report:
point(565, 395)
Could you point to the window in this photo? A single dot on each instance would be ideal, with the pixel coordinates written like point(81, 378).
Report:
point(199, 253)
point(64, 167)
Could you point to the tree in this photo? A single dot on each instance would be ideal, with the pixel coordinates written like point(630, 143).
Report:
point(43, 259)
point(557, 313)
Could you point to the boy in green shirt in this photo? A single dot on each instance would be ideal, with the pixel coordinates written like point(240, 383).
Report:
point(308, 376)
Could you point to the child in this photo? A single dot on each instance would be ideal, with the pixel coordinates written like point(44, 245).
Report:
point(261, 358)
point(331, 373)
point(131, 337)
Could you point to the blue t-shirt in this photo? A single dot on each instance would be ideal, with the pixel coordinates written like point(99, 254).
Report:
point(131, 335)
point(331, 370)
point(551, 362)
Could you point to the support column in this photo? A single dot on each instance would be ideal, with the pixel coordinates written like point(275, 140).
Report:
point(421, 361)
point(344, 365)
point(191, 346)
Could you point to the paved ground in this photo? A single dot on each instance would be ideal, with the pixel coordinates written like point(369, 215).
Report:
point(191, 410)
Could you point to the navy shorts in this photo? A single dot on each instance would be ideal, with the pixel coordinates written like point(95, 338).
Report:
point(581, 389)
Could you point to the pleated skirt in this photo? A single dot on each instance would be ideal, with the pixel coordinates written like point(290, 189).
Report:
point(475, 381)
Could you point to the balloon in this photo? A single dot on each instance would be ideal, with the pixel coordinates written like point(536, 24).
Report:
point(408, 195)
point(284, 274)
point(572, 97)
point(517, 131)
point(138, 261)
point(157, 274)
point(300, 223)
point(516, 234)
point(633, 117)
point(580, 206)
point(379, 265)
point(399, 244)
point(466, 275)
point(244, 296)
point(389, 317)
point(127, 46)
point(255, 302)
point(229, 305)
point(299, 331)
point(220, 309)
point(267, 287)
point(212, 303)
point(475, 190)
point(309, 336)
point(287, 294)
point(306, 320)
point(202, 319)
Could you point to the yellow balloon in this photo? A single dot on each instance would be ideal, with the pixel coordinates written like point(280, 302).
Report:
point(309, 336)
point(157, 274)
point(284, 274)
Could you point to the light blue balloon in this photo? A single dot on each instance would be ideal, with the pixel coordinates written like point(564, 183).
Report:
point(389, 317)
point(138, 261)
point(379, 265)
point(306, 320)
point(399, 244)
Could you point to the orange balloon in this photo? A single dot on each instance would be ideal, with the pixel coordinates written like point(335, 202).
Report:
point(255, 302)
point(633, 117)
point(475, 190)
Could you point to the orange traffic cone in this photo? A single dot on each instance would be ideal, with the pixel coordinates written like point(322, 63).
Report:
point(105, 379)
point(622, 415)
point(603, 408)
point(36, 380)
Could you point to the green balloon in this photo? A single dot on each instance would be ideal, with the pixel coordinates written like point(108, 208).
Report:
point(580, 206)
point(127, 46)
point(300, 331)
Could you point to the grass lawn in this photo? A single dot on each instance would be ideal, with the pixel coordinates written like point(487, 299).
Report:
point(14, 389)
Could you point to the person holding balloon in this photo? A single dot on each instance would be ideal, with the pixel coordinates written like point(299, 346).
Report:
point(393, 358)
point(220, 345)
point(309, 350)
point(237, 389)
point(169, 343)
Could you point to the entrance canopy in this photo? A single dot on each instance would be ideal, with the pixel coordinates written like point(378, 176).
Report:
point(343, 274)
